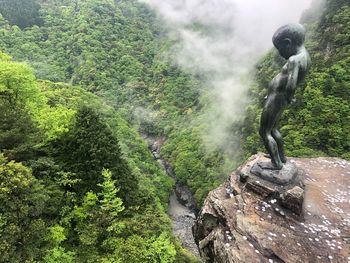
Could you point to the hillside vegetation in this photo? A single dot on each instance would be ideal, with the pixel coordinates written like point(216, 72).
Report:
point(78, 184)
point(82, 81)
point(115, 49)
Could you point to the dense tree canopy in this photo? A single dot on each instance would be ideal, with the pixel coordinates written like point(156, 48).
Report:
point(88, 148)
point(61, 204)
point(23, 13)
point(87, 80)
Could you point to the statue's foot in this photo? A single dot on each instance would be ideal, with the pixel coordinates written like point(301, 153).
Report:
point(267, 155)
point(270, 166)
point(283, 159)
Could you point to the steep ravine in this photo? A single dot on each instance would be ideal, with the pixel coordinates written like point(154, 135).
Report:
point(181, 203)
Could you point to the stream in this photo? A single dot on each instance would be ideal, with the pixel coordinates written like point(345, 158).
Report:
point(182, 205)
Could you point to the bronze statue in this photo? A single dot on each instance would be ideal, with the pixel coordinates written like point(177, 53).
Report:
point(289, 41)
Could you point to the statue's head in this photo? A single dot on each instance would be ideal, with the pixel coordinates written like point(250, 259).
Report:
point(287, 39)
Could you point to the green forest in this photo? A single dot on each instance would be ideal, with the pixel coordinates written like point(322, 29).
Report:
point(78, 182)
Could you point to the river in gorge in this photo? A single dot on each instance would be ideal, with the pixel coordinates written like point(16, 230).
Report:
point(181, 202)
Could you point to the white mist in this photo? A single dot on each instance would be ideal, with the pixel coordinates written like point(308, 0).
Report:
point(233, 36)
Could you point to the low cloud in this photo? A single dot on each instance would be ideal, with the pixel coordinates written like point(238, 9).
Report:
point(222, 40)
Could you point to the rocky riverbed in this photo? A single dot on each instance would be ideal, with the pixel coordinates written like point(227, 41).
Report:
point(182, 206)
point(182, 218)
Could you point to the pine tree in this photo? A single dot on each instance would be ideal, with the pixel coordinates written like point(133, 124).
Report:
point(111, 205)
point(91, 147)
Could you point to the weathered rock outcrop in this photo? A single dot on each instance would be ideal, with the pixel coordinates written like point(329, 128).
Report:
point(185, 196)
point(240, 224)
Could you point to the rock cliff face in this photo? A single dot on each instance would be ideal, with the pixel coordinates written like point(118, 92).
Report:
point(238, 224)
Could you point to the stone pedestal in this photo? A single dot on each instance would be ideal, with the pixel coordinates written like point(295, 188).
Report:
point(287, 175)
point(285, 185)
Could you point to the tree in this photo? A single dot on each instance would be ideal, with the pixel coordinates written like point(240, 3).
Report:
point(20, 105)
point(18, 133)
point(23, 13)
point(23, 200)
point(96, 222)
point(137, 249)
point(57, 254)
point(111, 205)
point(89, 148)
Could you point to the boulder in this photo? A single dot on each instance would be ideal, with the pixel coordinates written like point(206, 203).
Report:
point(185, 196)
point(304, 220)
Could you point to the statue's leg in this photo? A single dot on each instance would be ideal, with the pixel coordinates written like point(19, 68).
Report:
point(266, 126)
point(272, 148)
point(280, 144)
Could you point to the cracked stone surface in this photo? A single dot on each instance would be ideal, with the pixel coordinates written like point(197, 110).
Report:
point(236, 224)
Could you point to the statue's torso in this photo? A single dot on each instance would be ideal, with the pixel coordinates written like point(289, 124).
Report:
point(277, 86)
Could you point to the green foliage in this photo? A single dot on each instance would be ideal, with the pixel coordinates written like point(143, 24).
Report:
point(27, 118)
point(192, 164)
point(90, 147)
point(18, 132)
point(23, 13)
point(148, 223)
point(22, 198)
point(163, 250)
point(59, 255)
point(73, 223)
point(18, 87)
point(114, 49)
point(184, 256)
point(137, 249)
point(68, 136)
point(5, 57)
point(56, 234)
point(111, 205)
point(154, 181)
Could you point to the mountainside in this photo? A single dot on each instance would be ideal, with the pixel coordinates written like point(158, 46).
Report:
point(115, 49)
point(85, 80)
point(70, 191)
